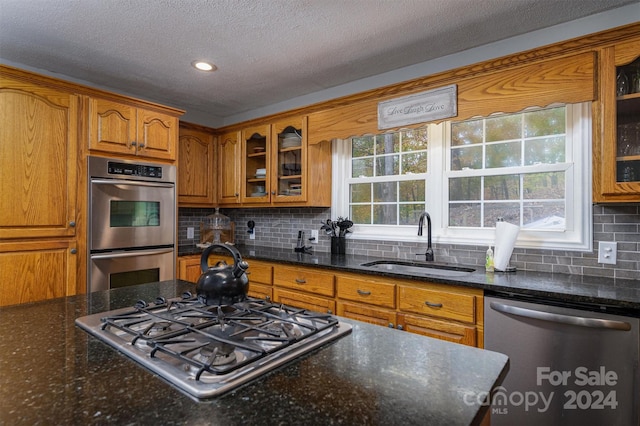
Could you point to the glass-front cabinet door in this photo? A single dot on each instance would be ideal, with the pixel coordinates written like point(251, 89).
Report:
point(256, 151)
point(620, 94)
point(628, 122)
point(289, 161)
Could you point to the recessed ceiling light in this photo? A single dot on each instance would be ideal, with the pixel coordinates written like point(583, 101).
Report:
point(204, 66)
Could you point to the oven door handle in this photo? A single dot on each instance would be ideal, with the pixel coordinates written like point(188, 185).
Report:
point(131, 182)
point(130, 253)
point(560, 318)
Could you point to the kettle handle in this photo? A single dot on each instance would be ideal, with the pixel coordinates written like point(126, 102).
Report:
point(239, 265)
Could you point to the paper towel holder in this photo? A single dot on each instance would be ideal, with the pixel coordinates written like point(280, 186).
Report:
point(509, 268)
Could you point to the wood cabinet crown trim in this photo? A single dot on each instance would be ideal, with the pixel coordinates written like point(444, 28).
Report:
point(582, 44)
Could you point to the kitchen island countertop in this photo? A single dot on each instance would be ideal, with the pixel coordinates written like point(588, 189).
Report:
point(54, 372)
point(607, 293)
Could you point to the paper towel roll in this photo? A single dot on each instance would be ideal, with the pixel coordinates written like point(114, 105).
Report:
point(506, 235)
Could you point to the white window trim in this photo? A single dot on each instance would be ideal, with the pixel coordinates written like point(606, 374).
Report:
point(578, 236)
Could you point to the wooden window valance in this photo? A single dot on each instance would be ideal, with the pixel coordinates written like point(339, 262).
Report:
point(568, 79)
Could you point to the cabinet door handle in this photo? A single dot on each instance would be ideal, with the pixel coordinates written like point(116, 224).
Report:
point(364, 292)
point(72, 224)
point(301, 281)
point(273, 192)
point(73, 251)
point(433, 305)
point(133, 143)
point(391, 325)
point(141, 145)
point(399, 327)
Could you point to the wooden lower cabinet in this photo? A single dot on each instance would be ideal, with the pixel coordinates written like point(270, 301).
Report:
point(443, 330)
point(441, 311)
point(309, 280)
point(31, 271)
point(304, 300)
point(377, 316)
point(189, 268)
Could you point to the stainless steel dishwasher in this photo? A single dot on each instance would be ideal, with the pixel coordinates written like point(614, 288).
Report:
point(569, 364)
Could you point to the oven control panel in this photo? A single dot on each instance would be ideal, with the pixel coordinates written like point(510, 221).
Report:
point(131, 169)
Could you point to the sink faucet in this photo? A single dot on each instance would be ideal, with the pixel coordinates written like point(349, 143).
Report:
point(429, 253)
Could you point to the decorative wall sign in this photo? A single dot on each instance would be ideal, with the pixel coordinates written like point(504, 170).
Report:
point(422, 107)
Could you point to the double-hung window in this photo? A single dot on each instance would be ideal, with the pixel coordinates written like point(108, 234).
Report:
point(531, 169)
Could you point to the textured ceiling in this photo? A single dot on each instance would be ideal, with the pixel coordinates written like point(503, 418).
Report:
point(266, 51)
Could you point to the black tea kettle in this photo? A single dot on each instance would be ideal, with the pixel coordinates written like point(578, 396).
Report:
point(222, 284)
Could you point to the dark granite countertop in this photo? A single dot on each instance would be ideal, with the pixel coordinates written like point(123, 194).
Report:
point(55, 373)
point(604, 292)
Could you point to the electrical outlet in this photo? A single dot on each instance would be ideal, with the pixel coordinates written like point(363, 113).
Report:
point(314, 236)
point(607, 252)
point(190, 233)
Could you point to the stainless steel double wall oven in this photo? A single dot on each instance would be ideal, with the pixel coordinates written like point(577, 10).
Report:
point(132, 220)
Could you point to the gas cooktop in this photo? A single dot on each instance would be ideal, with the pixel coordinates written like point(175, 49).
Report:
point(208, 350)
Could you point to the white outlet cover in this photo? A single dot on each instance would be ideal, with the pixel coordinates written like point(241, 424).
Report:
point(607, 252)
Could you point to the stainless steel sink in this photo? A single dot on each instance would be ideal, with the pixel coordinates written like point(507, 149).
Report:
point(418, 268)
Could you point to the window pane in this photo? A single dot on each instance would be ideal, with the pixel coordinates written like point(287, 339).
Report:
point(504, 128)
point(362, 167)
point(510, 212)
point(502, 187)
point(387, 143)
point(544, 122)
point(360, 193)
point(361, 214)
point(414, 163)
point(361, 147)
point(414, 140)
point(387, 165)
point(465, 214)
point(466, 158)
point(503, 155)
point(385, 192)
point(412, 190)
point(385, 214)
point(545, 186)
point(410, 213)
point(461, 189)
point(547, 215)
point(466, 133)
point(547, 150)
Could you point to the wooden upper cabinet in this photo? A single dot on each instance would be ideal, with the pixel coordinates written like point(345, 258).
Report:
point(120, 128)
point(280, 168)
point(38, 160)
point(229, 168)
point(256, 167)
point(616, 157)
point(157, 134)
point(196, 171)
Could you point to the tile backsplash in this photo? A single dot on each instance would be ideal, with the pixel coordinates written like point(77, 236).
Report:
point(278, 227)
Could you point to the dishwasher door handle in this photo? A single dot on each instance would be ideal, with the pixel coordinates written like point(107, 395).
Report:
point(560, 318)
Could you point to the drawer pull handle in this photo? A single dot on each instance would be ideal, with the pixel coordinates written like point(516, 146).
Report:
point(433, 305)
point(364, 292)
point(301, 281)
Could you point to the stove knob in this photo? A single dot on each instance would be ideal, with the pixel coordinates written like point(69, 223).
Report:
point(141, 304)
